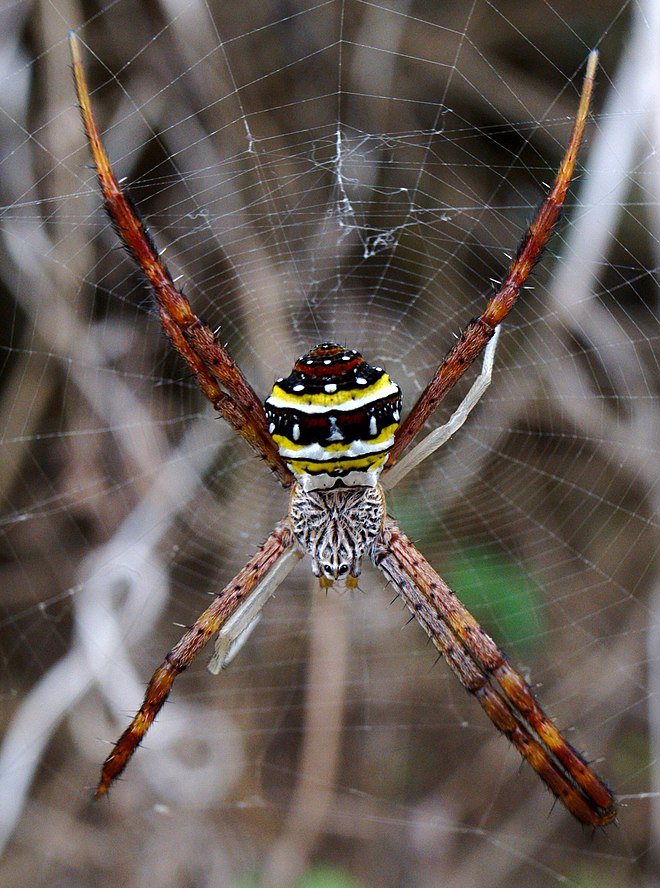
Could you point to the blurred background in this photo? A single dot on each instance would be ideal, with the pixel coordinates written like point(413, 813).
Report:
point(359, 172)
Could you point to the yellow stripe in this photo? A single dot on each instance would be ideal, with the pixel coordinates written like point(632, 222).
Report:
point(302, 466)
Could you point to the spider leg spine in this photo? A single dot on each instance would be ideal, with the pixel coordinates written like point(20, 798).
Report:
point(228, 408)
point(189, 645)
point(192, 339)
point(496, 708)
point(238, 627)
point(515, 687)
point(460, 356)
point(563, 786)
point(474, 658)
point(439, 437)
point(478, 332)
point(481, 647)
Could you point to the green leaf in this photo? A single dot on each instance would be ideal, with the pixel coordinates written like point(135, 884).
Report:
point(499, 592)
point(318, 877)
point(326, 877)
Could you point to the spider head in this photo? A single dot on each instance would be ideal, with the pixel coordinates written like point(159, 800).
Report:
point(336, 528)
point(334, 558)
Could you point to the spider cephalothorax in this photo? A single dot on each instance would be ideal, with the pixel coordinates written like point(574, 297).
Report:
point(328, 430)
point(336, 528)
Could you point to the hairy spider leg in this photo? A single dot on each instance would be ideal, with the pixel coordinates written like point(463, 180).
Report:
point(439, 437)
point(474, 657)
point(477, 333)
point(237, 629)
point(208, 359)
point(191, 643)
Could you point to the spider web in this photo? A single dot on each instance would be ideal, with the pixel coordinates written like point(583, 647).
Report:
point(345, 171)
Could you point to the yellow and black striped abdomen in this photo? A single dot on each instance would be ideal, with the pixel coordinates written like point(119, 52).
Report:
point(334, 418)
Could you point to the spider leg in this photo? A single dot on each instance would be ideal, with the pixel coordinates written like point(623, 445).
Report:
point(208, 359)
point(438, 437)
point(238, 628)
point(278, 544)
point(479, 331)
point(475, 659)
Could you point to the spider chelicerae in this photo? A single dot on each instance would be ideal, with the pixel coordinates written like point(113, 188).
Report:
point(331, 433)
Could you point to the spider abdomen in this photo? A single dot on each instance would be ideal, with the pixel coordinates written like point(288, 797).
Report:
point(334, 418)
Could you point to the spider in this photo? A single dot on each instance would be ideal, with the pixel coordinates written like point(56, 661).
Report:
point(329, 432)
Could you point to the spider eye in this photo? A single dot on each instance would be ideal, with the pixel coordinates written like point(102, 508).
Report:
point(343, 569)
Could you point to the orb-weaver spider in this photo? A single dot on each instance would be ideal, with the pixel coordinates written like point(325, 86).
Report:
point(327, 432)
